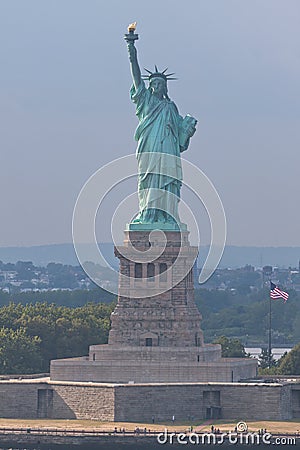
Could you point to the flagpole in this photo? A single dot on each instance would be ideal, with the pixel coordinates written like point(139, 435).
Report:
point(270, 333)
point(275, 293)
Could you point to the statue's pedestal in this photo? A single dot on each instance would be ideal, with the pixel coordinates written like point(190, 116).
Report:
point(155, 334)
point(122, 364)
point(156, 304)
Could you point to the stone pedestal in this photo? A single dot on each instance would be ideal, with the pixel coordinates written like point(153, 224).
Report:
point(156, 304)
point(155, 334)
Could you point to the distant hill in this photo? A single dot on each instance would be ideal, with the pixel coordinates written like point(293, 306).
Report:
point(41, 255)
point(233, 256)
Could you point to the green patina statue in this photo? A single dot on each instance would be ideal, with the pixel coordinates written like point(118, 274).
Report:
point(162, 134)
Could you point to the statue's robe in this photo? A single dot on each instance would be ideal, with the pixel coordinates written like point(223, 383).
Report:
point(158, 154)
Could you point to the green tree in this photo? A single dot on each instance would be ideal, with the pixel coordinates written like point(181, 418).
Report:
point(61, 331)
point(290, 363)
point(19, 353)
point(231, 348)
point(66, 332)
point(264, 359)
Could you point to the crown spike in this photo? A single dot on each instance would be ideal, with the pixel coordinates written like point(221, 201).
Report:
point(157, 73)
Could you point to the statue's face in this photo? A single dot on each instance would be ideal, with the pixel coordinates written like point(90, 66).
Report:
point(158, 86)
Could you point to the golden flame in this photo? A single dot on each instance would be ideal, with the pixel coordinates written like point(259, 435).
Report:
point(131, 27)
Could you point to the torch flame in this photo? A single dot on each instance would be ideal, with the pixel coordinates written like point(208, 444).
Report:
point(131, 27)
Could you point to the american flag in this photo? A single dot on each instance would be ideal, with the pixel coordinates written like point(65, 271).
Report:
point(275, 293)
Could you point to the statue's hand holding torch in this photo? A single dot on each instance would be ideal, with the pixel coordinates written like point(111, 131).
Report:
point(131, 36)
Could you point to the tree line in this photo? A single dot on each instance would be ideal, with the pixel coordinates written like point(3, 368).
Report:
point(288, 364)
point(36, 327)
point(33, 334)
point(74, 298)
point(246, 316)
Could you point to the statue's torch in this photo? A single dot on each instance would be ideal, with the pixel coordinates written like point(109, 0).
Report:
point(131, 36)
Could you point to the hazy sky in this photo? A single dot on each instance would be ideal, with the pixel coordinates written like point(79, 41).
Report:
point(65, 109)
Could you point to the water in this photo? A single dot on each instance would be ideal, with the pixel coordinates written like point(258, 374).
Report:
point(147, 447)
point(99, 447)
point(276, 352)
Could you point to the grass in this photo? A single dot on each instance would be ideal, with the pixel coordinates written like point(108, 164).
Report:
point(290, 426)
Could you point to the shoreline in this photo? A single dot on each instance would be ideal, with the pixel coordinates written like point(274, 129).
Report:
point(46, 439)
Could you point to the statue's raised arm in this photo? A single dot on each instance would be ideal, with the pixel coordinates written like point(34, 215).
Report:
point(134, 65)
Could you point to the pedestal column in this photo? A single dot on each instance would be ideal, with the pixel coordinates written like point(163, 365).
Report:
point(156, 304)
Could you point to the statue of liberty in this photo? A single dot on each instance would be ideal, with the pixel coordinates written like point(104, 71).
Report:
point(162, 134)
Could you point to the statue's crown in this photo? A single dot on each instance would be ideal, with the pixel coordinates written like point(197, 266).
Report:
point(157, 74)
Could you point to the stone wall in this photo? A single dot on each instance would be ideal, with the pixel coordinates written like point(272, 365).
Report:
point(141, 403)
point(33, 399)
point(255, 402)
point(30, 399)
point(295, 400)
point(19, 400)
point(170, 368)
point(83, 402)
point(236, 401)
